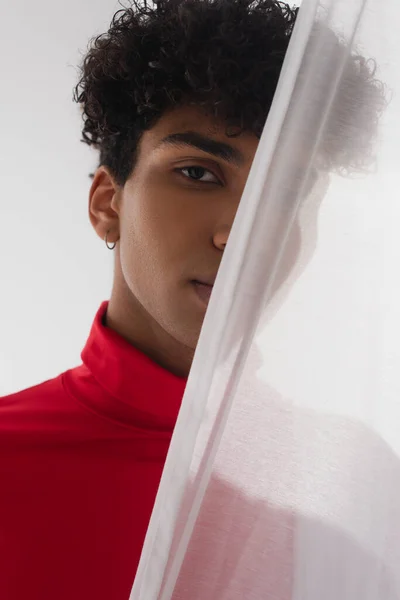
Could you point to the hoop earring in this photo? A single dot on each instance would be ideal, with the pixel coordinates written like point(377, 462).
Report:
point(105, 239)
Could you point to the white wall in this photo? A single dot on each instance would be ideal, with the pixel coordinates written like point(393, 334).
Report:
point(54, 270)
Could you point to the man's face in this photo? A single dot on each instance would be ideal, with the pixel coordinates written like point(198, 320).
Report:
point(173, 216)
point(176, 213)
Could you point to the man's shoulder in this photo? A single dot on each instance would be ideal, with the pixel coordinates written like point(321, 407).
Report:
point(35, 406)
point(32, 393)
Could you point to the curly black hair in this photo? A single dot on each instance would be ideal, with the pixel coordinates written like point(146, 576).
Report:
point(224, 56)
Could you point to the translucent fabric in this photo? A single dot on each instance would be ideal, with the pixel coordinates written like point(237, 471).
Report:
point(283, 476)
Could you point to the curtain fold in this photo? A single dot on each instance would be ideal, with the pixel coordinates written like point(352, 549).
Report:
point(283, 475)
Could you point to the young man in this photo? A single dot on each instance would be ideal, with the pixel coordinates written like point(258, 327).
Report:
point(174, 97)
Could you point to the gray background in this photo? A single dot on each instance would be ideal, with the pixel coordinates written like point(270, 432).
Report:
point(54, 270)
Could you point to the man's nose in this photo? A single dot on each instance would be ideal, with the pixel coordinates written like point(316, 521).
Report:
point(221, 237)
point(223, 229)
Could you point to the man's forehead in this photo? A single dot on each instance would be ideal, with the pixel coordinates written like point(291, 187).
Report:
point(193, 120)
point(188, 119)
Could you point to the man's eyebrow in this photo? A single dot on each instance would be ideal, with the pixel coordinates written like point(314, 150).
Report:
point(206, 144)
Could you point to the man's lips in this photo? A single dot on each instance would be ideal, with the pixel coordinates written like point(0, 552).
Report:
point(206, 281)
point(203, 290)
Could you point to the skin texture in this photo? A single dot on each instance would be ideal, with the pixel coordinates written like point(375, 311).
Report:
point(171, 227)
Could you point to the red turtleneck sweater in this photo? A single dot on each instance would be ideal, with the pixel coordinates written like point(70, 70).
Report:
point(81, 458)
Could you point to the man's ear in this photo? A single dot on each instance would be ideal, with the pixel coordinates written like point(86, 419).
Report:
point(103, 205)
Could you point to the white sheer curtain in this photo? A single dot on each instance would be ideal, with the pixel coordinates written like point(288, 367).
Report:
point(283, 476)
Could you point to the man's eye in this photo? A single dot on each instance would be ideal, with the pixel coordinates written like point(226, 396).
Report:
point(199, 174)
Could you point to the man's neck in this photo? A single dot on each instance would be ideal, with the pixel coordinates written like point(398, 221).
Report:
point(127, 317)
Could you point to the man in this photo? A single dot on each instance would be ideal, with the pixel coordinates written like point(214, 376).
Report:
point(174, 97)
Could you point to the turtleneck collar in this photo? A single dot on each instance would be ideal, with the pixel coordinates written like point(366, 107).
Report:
point(135, 382)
